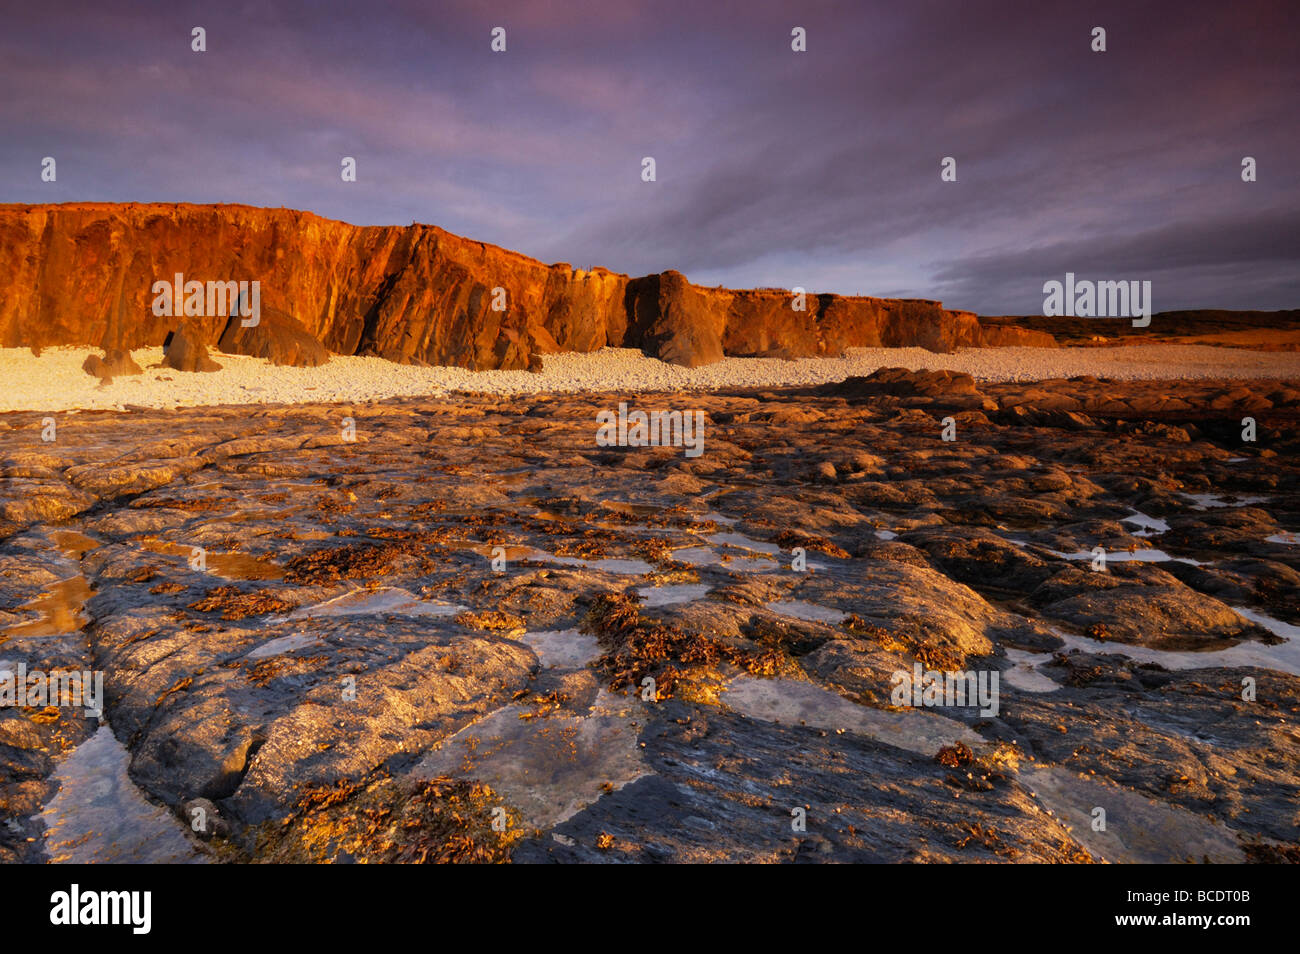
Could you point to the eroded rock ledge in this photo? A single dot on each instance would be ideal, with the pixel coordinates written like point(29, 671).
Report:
point(332, 564)
point(81, 274)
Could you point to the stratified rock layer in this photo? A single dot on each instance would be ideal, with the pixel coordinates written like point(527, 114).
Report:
point(82, 274)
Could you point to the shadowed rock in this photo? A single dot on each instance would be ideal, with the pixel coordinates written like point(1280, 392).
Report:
point(278, 337)
point(673, 320)
point(184, 350)
point(947, 389)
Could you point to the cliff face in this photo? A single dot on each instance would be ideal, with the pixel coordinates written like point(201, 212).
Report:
point(82, 274)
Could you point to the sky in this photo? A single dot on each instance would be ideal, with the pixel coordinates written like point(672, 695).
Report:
point(817, 169)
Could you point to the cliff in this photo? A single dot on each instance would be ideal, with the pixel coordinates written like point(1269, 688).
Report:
point(82, 274)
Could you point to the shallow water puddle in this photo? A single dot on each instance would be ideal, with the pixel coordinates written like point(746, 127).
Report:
point(60, 608)
point(1274, 626)
point(620, 565)
point(742, 542)
point(548, 768)
point(772, 553)
point(1151, 526)
point(705, 556)
point(74, 543)
point(562, 648)
point(1283, 657)
point(794, 703)
point(716, 518)
point(1209, 501)
point(672, 594)
point(512, 552)
point(886, 535)
point(1024, 673)
point(268, 520)
point(388, 600)
point(1139, 555)
point(624, 567)
point(632, 509)
point(1288, 537)
point(231, 566)
point(284, 644)
point(812, 612)
point(99, 816)
point(1139, 830)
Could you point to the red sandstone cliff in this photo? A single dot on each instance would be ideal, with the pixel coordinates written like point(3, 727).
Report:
point(82, 273)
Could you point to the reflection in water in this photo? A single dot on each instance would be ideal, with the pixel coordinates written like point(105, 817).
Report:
point(1135, 556)
point(811, 612)
point(671, 594)
point(388, 600)
point(803, 703)
point(1208, 501)
point(231, 566)
point(100, 817)
point(1024, 673)
point(60, 609)
point(1282, 657)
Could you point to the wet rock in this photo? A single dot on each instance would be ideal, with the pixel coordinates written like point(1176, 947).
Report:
point(204, 819)
point(687, 809)
point(983, 560)
point(366, 608)
point(940, 389)
point(28, 501)
point(1169, 616)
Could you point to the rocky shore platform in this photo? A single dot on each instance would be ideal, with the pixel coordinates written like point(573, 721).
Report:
point(462, 629)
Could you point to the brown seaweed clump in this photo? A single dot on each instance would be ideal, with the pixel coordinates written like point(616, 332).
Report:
point(384, 821)
point(638, 647)
point(352, 561)
point(234, 603)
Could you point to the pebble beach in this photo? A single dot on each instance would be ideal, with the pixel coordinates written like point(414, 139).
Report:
point(54, 381)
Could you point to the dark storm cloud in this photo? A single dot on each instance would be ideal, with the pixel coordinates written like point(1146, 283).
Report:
point(819, 169)
point(1190, 264)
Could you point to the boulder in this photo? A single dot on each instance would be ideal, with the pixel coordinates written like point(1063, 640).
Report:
point(184, 350)
point(672, 320)
point(115, 363)
point(278, 337)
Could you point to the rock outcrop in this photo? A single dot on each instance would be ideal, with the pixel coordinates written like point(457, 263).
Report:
point(184, 350)
point(227, 683)
point(83, 273)
point(116, 362)
point(278, 337)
